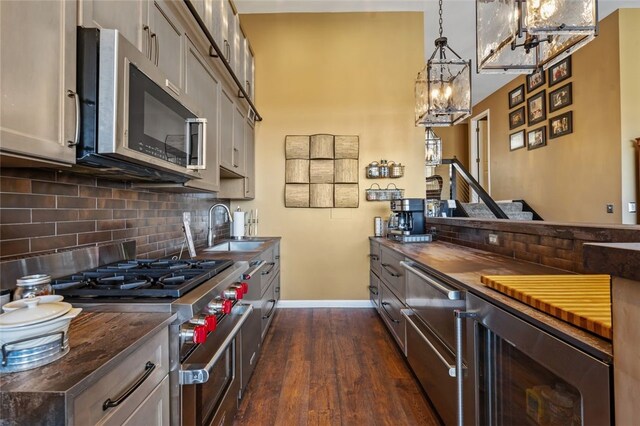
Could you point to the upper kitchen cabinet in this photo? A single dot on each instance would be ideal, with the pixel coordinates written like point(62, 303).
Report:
point(243, 188)
point(149, 25)
point(38, 118)
point(203, 85)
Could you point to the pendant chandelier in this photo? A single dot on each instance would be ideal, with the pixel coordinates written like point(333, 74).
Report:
point(520, 36)
point(443, 87)
point(432, 148)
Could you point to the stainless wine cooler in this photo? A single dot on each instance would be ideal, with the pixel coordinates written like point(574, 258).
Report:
point(525, 376)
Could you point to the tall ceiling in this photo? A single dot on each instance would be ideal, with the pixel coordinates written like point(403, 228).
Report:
point(458, 24)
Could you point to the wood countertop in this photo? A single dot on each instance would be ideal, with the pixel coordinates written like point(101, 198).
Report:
point(98, 341)
point(464, 266)
point(617, 259)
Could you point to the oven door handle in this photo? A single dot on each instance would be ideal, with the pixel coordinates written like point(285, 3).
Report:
point(451, 293)
point(200, 375)
point(252, 272)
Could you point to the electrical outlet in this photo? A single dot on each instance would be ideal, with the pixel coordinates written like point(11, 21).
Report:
point(609, 208)
point(494, 240)
point(632, 207)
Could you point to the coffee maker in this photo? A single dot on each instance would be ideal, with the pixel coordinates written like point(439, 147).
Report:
point(407, 221)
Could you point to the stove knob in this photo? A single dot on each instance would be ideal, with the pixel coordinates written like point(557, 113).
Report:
point(245, 288)
point(199, 334)
point(226, 306)
point(232, 293)
point(210, 322)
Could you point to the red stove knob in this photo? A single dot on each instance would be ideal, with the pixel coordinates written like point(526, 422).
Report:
point(210, 322)
point(199, 334)
point(244, 287)
point(226, 306)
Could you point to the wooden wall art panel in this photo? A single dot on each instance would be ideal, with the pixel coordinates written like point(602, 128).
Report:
point(321, 171)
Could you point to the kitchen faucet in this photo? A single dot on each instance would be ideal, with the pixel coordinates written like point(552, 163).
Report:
point(210, 235)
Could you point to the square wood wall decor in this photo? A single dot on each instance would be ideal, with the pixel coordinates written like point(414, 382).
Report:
point(321, 171)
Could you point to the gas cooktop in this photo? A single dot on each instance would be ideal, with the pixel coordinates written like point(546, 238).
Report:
point(139, 279)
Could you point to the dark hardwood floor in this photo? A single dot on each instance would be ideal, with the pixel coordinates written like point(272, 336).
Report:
point(332, 367)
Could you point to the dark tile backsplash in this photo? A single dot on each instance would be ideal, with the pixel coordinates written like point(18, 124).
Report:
point(551, 244)
point(43, 211)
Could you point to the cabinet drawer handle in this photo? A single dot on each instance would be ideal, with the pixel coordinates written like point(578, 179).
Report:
point(374, 257)
point(384, 304)
point(273, 265)
point(148, 31)
point(451, 293)
point(391, 270)
point(148, 369)
point(451, 368)
point(76, 140)
point(273, 307)
point(373, 290)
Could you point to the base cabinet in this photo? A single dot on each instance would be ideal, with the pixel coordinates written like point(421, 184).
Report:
point(390, 310)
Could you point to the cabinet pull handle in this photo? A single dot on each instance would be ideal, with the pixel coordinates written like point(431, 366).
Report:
point(248, 88)
point(273, 307)
point(451, 369)
point(452, 294)
point(76, 140)
point(374, 257)
point(391, 270)
point(227, 51)
point(373, 290)
point(148, 369)
point(148, 31)
point(273, 265)
point(154, 49)
point(234, 156)
point(384, 304)
point(460, 316)
point(157, 48)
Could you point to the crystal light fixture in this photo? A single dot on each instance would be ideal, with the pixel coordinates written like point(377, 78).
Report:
point(519, 36)
point(432, 148)
point(443, 87)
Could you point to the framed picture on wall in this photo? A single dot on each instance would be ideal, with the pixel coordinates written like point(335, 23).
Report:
point(516, 140)
point(536, 107)
point(516, 96)
point(537, 137)
point(535, 80)
point(561, 125)
point(560, 98)
point(516, 118)
point(560, 71)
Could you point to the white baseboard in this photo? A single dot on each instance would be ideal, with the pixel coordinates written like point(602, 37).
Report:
point(325, 304)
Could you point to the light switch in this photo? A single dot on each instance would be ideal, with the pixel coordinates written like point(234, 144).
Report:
point(632, 207)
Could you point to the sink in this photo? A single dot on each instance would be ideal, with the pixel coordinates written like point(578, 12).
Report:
point(236, 246)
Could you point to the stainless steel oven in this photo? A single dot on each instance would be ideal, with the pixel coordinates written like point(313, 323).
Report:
point(210, 376)
point(525, 375)
point(133, 119)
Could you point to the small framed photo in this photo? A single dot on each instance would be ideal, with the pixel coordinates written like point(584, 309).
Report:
point(516, 118)
point(560, 98)
point(537, 137)
point(516, 140)
point(516, 96)
point(536, 107)
point(535, 80)
point(561, 125)
point(560, 71)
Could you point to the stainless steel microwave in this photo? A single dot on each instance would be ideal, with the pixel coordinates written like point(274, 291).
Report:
point(134, 121)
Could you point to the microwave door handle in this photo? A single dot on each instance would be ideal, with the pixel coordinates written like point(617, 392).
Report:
point(198, 376)
point(460, 316)
point(202, 146)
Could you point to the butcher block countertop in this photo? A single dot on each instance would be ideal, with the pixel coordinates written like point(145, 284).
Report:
point(465, 267)
point(98, 342)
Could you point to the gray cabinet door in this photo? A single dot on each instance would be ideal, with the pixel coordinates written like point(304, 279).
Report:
point(239, 151)
point(250, 148)
point(129, 17)
point(37, 71)
point(203, 86)
point(168, 44)
point(226, 130)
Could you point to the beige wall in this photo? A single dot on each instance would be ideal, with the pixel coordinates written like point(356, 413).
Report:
point(576, 170)
point(337, 73)
point(630, 107)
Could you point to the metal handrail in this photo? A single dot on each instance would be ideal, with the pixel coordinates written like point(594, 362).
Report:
point(221, 55)
point(473, 183)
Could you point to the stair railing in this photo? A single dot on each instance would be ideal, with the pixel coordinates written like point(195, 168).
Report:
point(457, 169)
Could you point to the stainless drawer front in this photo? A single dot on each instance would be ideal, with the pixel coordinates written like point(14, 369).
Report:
point(391, 271)
point(434, 302)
